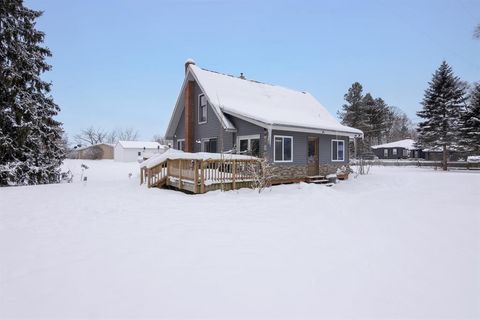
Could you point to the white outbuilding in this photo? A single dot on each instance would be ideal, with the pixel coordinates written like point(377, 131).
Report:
point(129, 151)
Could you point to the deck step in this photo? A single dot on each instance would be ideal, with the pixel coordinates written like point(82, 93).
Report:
point(318, 181)
point(315, 177)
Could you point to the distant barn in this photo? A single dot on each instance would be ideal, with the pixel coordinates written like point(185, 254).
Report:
point(98, 151)
point(130, 151)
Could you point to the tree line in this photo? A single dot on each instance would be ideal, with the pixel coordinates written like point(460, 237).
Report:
point(450, 116)
point(93, 135)
point(379, 122)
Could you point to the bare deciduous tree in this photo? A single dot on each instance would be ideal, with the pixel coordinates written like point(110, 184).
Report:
point(261, 172)
point(127, 134)
point(160, 139)
point(91, 136)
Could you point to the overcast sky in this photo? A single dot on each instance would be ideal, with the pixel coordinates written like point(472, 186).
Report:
point(120, 63)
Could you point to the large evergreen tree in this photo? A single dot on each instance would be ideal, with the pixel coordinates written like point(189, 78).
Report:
point(470, 131)
point(443, 103)
point(30, 137)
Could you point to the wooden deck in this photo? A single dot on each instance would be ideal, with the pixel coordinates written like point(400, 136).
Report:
point(200, 176)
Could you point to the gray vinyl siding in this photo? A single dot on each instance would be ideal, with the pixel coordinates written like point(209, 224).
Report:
point(325, 156)
point(300, 144)
point(180, 131)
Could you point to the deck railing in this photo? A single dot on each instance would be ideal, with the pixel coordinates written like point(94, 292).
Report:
point(199, 176)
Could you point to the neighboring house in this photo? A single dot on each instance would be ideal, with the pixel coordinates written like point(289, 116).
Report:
point(216, 113)
point(94, 152)
point(401, 149)
point(129, 151)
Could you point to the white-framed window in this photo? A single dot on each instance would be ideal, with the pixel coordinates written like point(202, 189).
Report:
point(338, 150)
point(209, 145)
point(283, 149)
point(181, 144)
point(385, 153)
point(249, 145)
point(405, 152)
point(202, 109)
point(394, 151)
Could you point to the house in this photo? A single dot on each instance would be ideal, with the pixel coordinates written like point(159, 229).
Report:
point(97, 151)
point(401, 149)
point(219, 113)
point(129, 151)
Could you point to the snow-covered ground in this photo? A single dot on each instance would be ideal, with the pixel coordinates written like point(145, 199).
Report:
point(399, 243)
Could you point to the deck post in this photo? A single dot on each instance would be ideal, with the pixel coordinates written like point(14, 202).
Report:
point(202, 176)
point(234, 172)
point(180, 163)
point(195, 176)
point(141, 175)
point(149, 180)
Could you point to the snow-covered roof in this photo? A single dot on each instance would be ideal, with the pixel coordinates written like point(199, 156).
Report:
point(269, 106)
point(172, 154)
point(408, 144)
point(141, 145)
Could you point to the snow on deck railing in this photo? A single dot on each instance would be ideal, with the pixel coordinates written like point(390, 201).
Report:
point(173, 154)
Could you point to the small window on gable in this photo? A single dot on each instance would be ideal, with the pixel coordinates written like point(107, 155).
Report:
point(338, 150)
point(139, 153)
point(202, 109)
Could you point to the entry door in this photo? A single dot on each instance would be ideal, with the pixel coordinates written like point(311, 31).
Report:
point(312, 157)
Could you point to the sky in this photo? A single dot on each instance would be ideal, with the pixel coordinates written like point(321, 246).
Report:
point(120, 63)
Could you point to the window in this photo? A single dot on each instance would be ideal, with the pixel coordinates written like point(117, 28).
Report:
point(249, 145)
point(181, 144)
point(202, 109)
point(405, 152)
point(338, 150)
point(385, 153)
point(139, 153)
point(283, 149)
point(394, 151)
point(209, 145)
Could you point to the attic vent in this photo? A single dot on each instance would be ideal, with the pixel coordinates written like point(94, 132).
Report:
point(242, 76)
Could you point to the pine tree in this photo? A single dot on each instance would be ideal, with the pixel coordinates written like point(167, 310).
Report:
point(353, 113)
point(442, 107)
point(30, 137)
point(470, 131)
